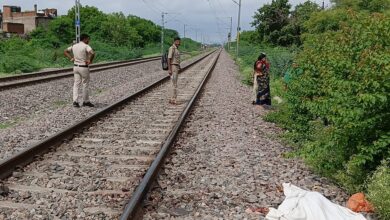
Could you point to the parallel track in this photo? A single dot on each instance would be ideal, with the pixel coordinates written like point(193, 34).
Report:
point(38, 77)
point(104, 157)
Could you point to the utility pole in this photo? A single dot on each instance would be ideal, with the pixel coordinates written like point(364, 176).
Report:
point(238, 26)
point(230, 33)
point(77, 20)
point(162, 31)
point(184, 36)
point(202, 40)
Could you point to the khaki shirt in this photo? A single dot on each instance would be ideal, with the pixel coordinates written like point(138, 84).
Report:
point(174, 54)
point(80, 52)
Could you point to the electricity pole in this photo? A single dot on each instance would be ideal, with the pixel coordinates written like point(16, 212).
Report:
point(184, 36)
point(238, 26)
point(230, 33)
point(162, 31)
point(77, 20)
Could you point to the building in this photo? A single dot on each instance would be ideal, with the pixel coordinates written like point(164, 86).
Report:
point(13, 28)
point(13, 18)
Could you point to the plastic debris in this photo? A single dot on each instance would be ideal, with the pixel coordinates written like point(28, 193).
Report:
point(358, 203)
point(300, 204)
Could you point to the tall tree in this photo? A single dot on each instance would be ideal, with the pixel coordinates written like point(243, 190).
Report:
point(270, 19)
point(369, 5)
point(277, 25)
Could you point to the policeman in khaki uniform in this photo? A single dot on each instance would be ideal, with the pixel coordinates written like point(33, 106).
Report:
point(174, 68)
point(83, 56)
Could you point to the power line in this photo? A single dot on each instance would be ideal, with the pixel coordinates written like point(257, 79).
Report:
point(223, 9)
point(213, 9)
point(152, 7)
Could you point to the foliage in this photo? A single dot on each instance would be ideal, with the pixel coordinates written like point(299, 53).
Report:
point(188, 44)
point(328, 20)
point(249, 36)
point(113, 36)
point(279, 57)
point(369, 5)
point(270, 19)
point(337, 109)
point(378, 190)
point(276, 24)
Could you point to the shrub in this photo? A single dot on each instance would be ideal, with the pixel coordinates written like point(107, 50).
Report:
point(378, 190)
point(338, 106)
point(279, 57)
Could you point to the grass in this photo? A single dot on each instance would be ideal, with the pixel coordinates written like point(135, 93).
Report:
point(279, 58)
point(38, 58)
point(59, 103)
point(10, 123)
point(5, 125)
point(378, 190)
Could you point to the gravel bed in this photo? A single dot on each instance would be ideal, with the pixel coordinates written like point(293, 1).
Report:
point(227, 159)
point(92, 175)
point(41, 110)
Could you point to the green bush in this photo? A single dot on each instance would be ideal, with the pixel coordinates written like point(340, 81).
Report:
point(337, 109)
point(280, 59)
point(133, 37)
point(378, 190)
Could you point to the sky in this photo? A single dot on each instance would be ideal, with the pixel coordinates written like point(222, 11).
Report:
point(207, 19)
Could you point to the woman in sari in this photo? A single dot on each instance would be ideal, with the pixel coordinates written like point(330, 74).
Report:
point(262, 93)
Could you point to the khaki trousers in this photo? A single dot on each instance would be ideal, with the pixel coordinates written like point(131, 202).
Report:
point(174, 76)
point(81, 76)
point(255, 87)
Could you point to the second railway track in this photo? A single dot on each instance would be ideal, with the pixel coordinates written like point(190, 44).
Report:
point(31, 78)
point(94, 171)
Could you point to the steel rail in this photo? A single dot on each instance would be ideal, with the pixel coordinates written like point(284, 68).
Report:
point(67, 69)
point(62, 73)
point(7, 166)
point(133, 208)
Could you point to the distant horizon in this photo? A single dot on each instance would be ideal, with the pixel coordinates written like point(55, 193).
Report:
point(210, 18)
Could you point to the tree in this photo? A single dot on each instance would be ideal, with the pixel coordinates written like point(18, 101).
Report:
point(62, 30)
point(270, 19)
point(91, 19)
point(368, 5)
point(299, 16)
point(277, 25)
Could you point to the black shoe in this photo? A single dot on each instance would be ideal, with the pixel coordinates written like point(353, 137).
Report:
point(76, 105)
point(88, 104)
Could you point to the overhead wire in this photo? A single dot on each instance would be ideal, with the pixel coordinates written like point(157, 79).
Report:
point(213, 9)
point(151, 7)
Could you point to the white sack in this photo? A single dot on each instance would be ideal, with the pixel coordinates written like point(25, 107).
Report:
point(300, 204)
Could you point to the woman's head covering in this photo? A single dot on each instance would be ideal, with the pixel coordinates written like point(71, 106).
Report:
point(262, 55)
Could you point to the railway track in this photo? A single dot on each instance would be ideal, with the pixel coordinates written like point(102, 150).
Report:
point(31, 78)
point(91, 170)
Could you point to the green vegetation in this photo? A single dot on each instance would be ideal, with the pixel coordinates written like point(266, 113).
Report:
point(10, 123)
point(59, 103)
point(276, 24)
point(335, 108)
point(5, 125)
point(279, 57)
point(113, 36)
point(378, 190)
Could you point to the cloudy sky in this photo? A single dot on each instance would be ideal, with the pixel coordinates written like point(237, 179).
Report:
point(207, 18)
